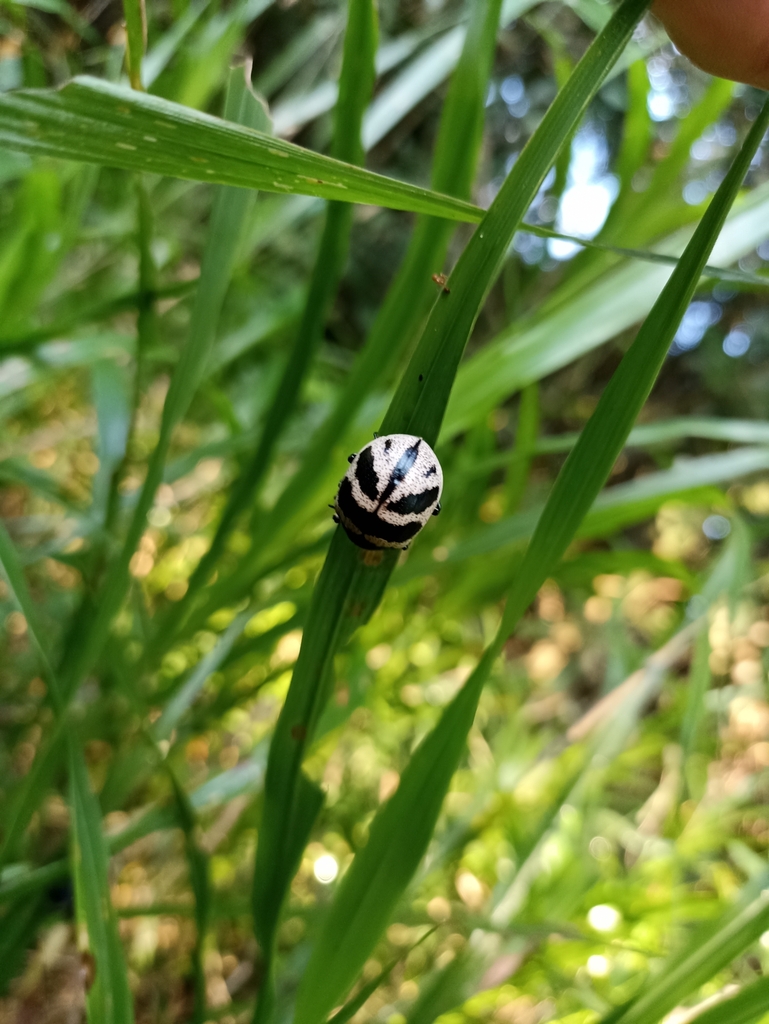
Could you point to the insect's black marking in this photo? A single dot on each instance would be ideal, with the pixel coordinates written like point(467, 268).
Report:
point(410, 504)
point(369, 523)
point(403, 465)
point(335, 518)
point(351, 458)
point(431, 470)
point(388, 444)
point(366, 475)
point(437, 509)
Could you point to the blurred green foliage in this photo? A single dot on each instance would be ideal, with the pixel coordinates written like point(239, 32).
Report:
point(187, 366)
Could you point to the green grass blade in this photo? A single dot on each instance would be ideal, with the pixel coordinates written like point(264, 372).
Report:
point(401, 831)
point(230, 206)
point(109, 998)
point(347, 589)
point(557, 336)
point(186, 695)
point(288, 802)
point(398, 837)
point(14, 575)
point(710, 951)
point(113, 414)
point(410, 296)
point(246, 778)
point(590, 462)
point(159, 56)
point(198, 863)
point(136, 32)
point(747, 1007)
point(362, 906)
point(619, 506)
point(96, 122)
point(419, 403)
point(87, 641)
point(356, 82)
point(712, 273)
point(525, 445)
point(351, 1007)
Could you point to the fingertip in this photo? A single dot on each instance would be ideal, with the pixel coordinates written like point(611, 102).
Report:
point(730, 40)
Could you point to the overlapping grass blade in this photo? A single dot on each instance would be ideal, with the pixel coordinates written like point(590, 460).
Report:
point(92, 623)
point(30, 794)
point(229, 209)
point(247, 777)
point(355, 86)
point(747, 1007)
point(348, 589)
point(614, 302)
point(351, 1007)
point(291, 800)
point(401, 831)
point(109, 997)
point(420, 402)
point(621, 505)
point(380, 873)
point(96, 122)
point(743, 277)
point(712, 949)
point(14, 575)
point(407, 300)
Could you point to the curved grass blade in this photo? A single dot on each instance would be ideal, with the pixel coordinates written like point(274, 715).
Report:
point(619, 506)
point(382, 870)
point(614, 302)
point(649, 256)
point(714, 948)
point(419, 403)
point(349, 589)
point(401, 831)
point(746, 1007)
point(97, 122)
point(227, 217)
point(356, 83)
point(409, 297)
point(86, 643)
point(109, 998)
point(35, 785)
point(14, 575)
point(351, 1007)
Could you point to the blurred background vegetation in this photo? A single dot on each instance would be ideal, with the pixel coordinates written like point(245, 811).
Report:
point(613, 797)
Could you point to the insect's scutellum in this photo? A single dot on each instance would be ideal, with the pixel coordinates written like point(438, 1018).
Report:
point(388, 494)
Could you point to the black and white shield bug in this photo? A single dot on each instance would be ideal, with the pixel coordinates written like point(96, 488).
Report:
point(389, 492)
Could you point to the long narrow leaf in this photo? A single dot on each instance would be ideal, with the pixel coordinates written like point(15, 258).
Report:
point(348, 589)
point(94, 121)
point(109, 998)
point(355, 85)
point(402, 829)
point(411, 293)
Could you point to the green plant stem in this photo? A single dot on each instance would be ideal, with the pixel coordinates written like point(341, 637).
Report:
point(136, 32)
